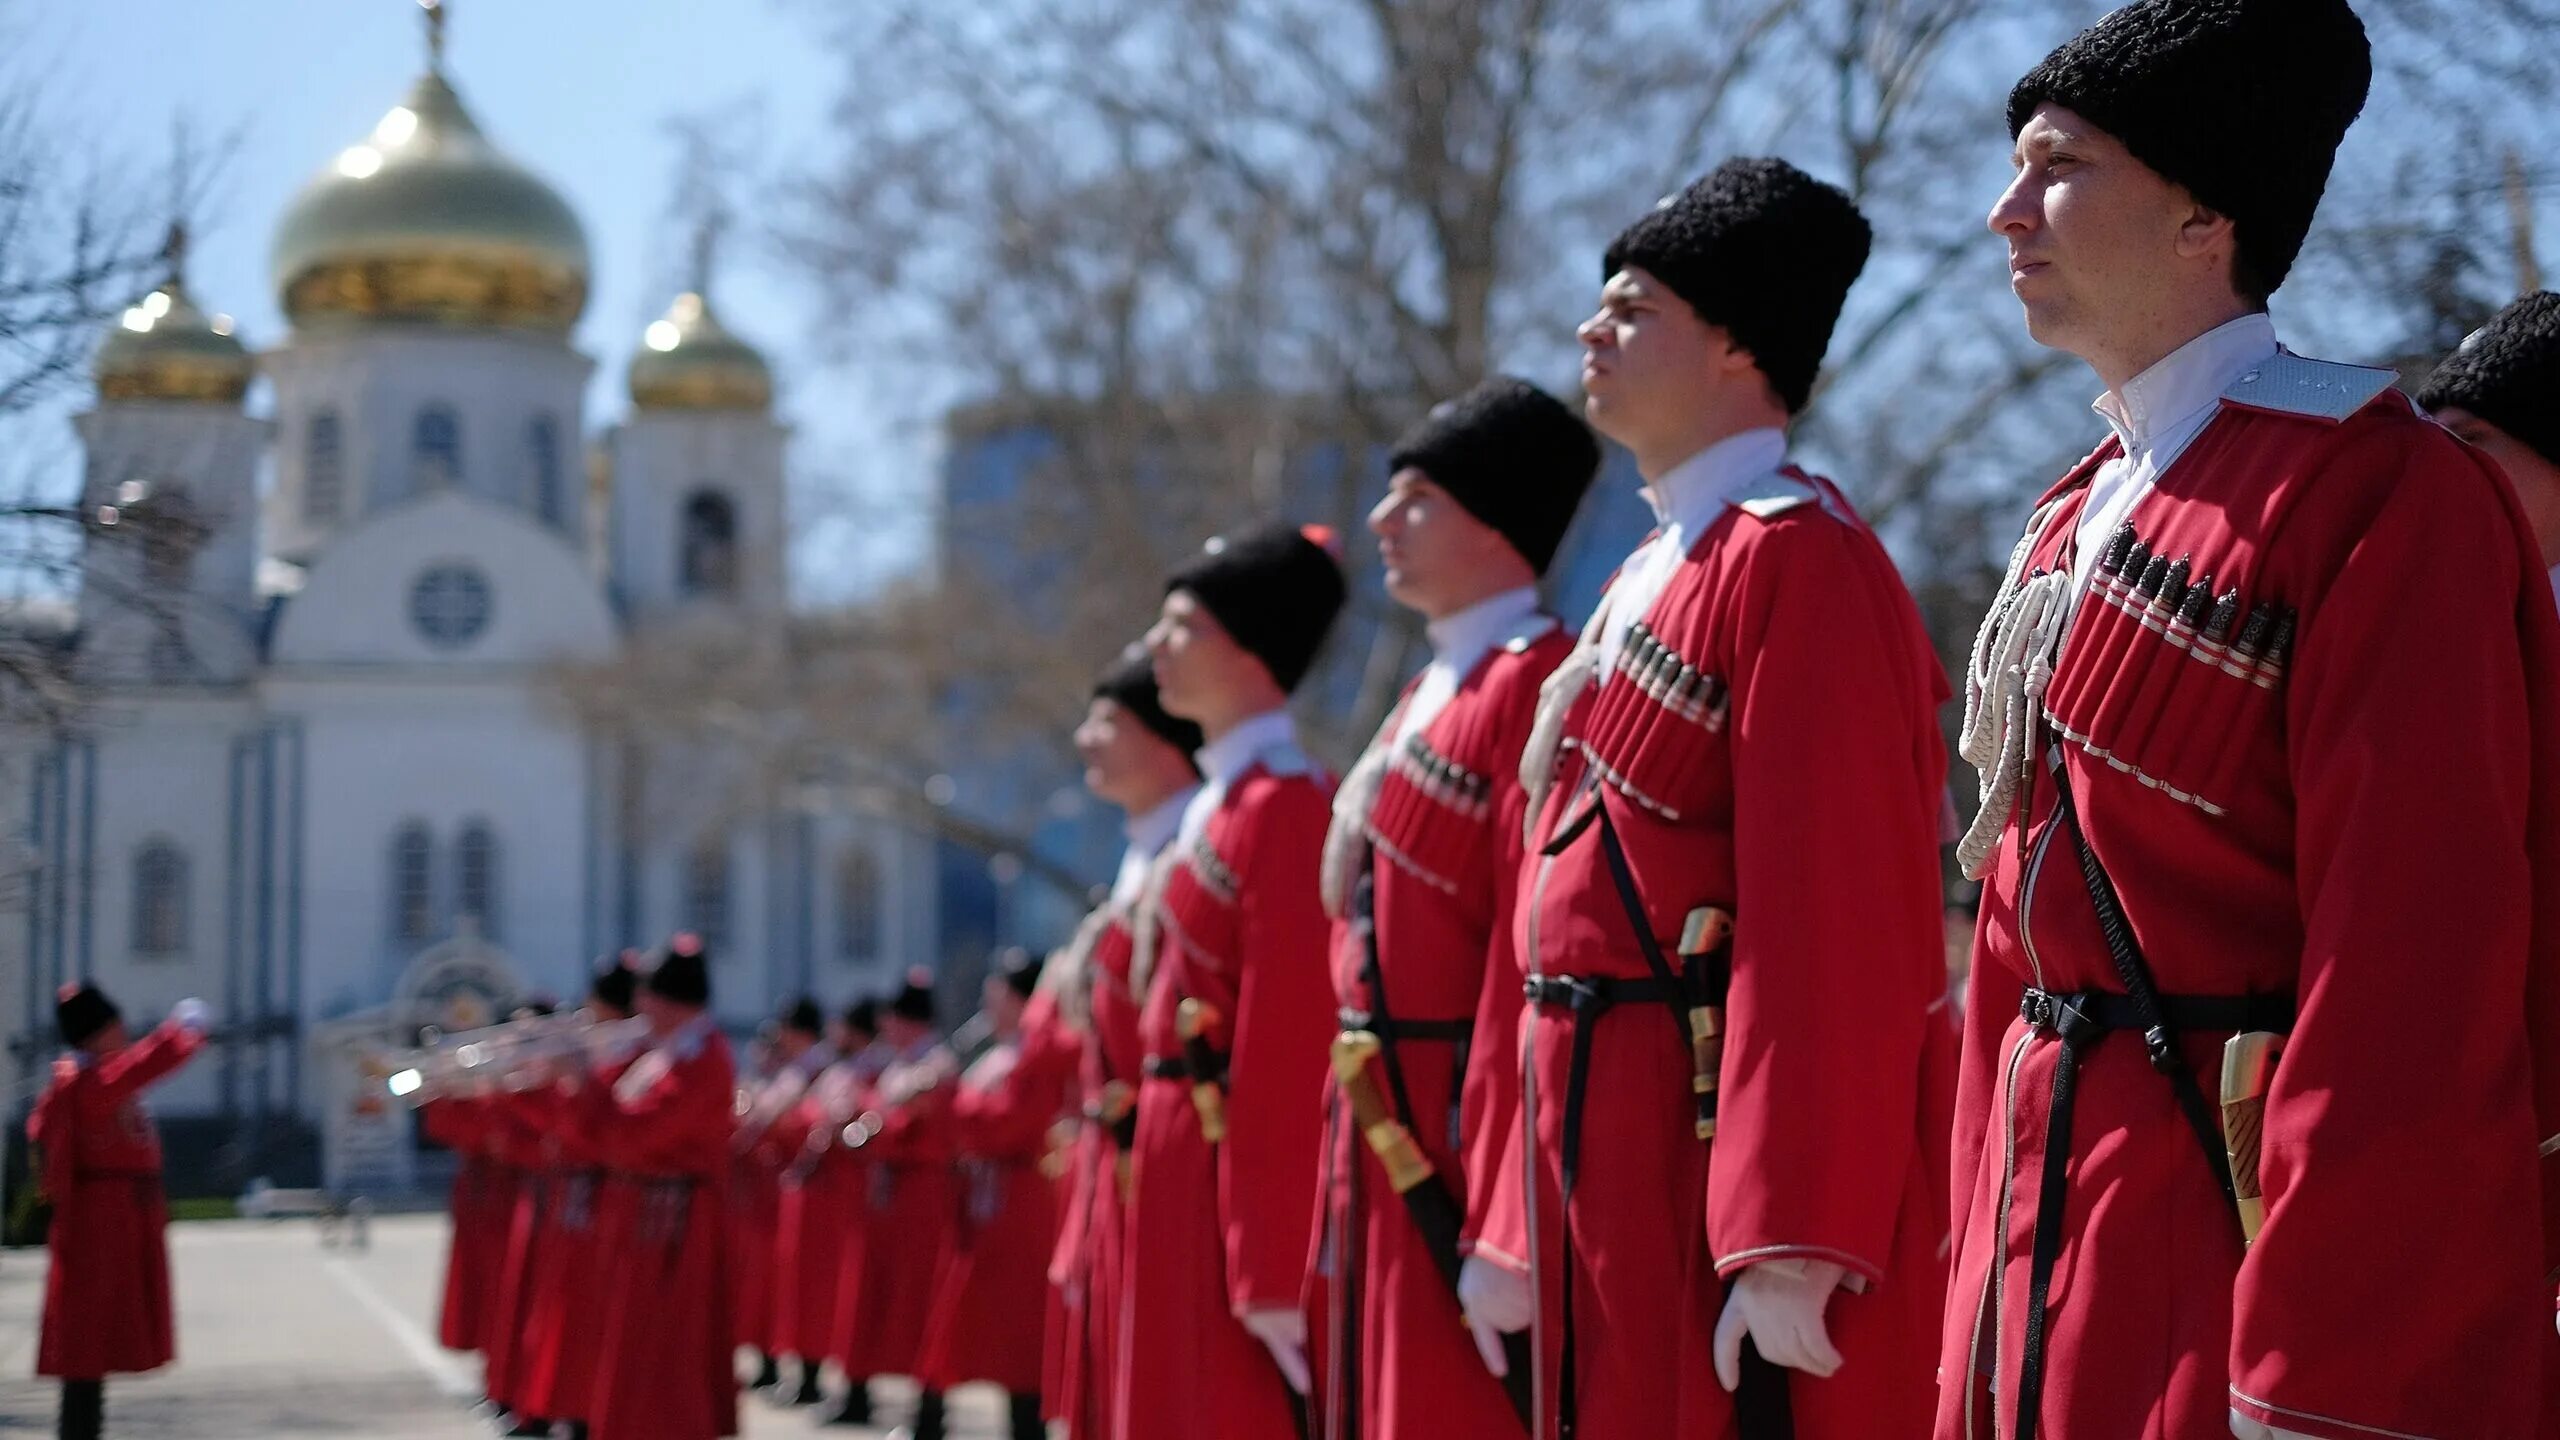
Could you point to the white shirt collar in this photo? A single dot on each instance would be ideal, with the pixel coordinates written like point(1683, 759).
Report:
point(1151, 832)
point(2186, 381)
point(1691, 492)
point(1223, 759)
point(1459, 641)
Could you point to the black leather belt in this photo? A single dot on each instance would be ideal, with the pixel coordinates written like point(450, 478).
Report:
point(1391, 1028)
point(2078, 1021)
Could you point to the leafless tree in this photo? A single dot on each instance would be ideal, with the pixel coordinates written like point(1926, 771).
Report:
point(1161, 263)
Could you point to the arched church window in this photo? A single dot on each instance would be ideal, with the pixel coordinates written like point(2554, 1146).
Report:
point(476, 875)
point(707, 552)
point(159, 899)
point(413, 888)
point(324, 481)
point(858, 907)
point(706, 893)
point(542, 458)
point(435, 449)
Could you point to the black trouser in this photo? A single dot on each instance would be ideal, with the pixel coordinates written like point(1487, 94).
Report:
point(84, 1409)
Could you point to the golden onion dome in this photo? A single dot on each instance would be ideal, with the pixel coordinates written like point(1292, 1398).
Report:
point(427, 221)
point(167, 349)
point(689, 361)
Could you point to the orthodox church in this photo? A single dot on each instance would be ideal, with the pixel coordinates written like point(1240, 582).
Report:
point(325, 780)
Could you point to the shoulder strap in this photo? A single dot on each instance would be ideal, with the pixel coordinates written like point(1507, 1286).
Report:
point(2158, 1040)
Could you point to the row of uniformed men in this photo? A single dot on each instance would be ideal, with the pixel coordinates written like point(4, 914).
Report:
point(865, 1201)
point(1643, 1111)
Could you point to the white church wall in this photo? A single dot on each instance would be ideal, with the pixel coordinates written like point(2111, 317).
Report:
point(377, 382)
point(361, 604)
point(446, 751)
point(164, 777)
point(660, 461)
point(207, 454)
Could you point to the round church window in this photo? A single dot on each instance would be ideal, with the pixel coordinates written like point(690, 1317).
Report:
point(449, 605)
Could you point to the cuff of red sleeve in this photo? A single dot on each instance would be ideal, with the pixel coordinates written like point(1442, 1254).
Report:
point(1493, 1254)
point(2281, 1423)
point(1863, 1272)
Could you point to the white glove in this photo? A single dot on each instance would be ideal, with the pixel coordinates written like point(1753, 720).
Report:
point(1497, 1301)
point(190, 1014)
point(1779, 1304)
point(1283, 1331)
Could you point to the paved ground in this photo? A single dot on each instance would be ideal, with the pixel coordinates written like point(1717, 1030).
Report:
point(280, 1336)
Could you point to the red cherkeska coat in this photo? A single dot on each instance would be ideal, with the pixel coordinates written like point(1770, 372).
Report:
point(755, 1208)
point(106, 1293)
point(1216, 1230)
point(517, 1141)
point(2363, 823)
point(990, 1297)
point(1794, 777)
point(1090, 1265)
point(1436, 823)
point(572, 1272)
point(908, 1193)
point(665, 1372)
point(818, 1205)
point(482, 1206)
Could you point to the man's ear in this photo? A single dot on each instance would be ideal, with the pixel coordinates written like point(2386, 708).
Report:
point(2203, 230)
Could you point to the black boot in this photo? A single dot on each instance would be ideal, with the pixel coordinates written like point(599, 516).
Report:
point(856, 1409)
point(84, 1409)
point(768, 1371)
point(522, 1426)
point(929, 1418)
point(1027, 1424)
point(808, 1393)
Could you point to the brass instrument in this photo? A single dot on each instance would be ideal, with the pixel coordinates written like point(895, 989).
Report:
point(511, 1055)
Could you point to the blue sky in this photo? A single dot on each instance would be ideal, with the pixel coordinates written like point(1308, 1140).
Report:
point(579, 91)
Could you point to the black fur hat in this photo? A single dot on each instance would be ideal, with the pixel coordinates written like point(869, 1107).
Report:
point(616, 980)
point(1020, 970)
point(914, 1000)
point(81, 1010)
point(683, 972)
point(2243, 102)
point(804, 1016)
point(1130, 683)
point(1765, 251)
point(1275, 587)
point(1513, 455)
point(2508, 373)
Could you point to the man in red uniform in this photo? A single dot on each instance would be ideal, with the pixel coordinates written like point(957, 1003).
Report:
point(2501, 392)
point(666, 1368)
point(908, 1195)
point(1420, 868)
point(481, 1203)
point(1138, 758)
point(1237, 1014)
point(517, 1141)
point(821, 1205)
point(1730, 913)
point(990, 1286)
point(571, 1270)
point(799, 1051)
point(106, 1292)
point(2269, 789)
